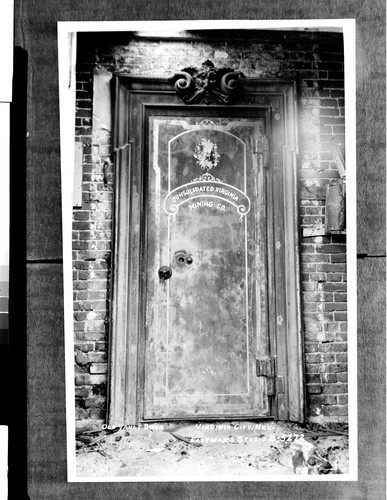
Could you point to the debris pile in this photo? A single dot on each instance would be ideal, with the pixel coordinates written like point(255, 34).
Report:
point(170, 449)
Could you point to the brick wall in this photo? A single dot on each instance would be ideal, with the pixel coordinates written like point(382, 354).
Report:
point(92, 239)
point(315, 61)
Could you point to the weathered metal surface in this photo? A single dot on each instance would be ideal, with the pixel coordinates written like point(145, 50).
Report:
point(272, 273)
point(202, 327)
point(265, 367)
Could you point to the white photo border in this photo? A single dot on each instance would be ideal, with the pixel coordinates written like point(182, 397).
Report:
point(67, 32)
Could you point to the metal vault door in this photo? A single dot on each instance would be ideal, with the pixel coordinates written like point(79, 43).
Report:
point(206, 281)
point(205, 307)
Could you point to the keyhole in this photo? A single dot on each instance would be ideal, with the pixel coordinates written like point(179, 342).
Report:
point(181, 259)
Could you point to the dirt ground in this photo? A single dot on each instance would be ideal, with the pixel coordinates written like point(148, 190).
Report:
point(211, 449)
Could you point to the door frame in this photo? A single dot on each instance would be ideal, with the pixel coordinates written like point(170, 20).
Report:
point(134, 98)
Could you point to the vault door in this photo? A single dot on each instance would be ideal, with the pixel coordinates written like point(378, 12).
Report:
point(206, 277)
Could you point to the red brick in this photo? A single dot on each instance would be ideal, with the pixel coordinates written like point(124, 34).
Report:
point(83, 306)
point(339, 129)
point(315, 258)
point(332, 367)
point(322, 399)
point(313, 307)
point(83, 391)
point(95, 295)
point(82, 358)
point(336, 75)
point(100, 285)
point(80, 285)
point(81, 215)
point(95, 402)
point(98, 335)
point(330, 248)
point(92, 255)
point(85, 112)
point(313, 326)
point(330, 268)
point(319, 336)
point(98, 305)
point(332, 327)
point(103, 245)
point(82, 316)
point(331, 120)
point(99, 368)
point(339, 258)
point(314, 389)
point(329, 103)
point(100, 265)
point(83, 104)
point(328, 378)
point(311, 347)
point(313, 211)
point(317, 297)
point(341, 337)
point(333, 347)
point(336, 410)
point(79, 326)
point(308, 267)
point(342, 377)
point(307, 248)
point(103, 225)
point(335, 389)
point(95, 326)
point(80, 225)
point(319, 358)
point(312, 220)
point(340, 316)
point(321, 318)
point(87, 379)
point(81, 413)
point(329, 112)
point(335, 306)
point(312, 368)
point(82, 265)
point(319, 277)
point(98, 413)
point(100, 346)
point(84, 346)
point(308, 287)
point(340, 297)
point(334, 277)
point(337, 93)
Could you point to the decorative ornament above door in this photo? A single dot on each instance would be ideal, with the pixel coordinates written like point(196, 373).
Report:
point(207, 84)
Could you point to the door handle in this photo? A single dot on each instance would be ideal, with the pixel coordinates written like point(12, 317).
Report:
point(165, 272)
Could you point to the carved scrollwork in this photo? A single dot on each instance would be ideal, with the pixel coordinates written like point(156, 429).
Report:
point(207, 84)
point(184, 83)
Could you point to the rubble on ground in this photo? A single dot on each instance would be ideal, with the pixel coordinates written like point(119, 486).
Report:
point(209, 449)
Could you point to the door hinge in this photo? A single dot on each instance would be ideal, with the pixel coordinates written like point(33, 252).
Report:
point(265, 367)
point(262, 148)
